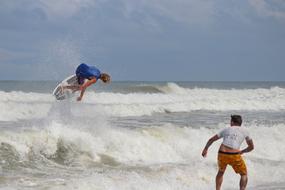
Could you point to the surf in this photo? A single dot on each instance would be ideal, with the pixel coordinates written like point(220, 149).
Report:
point(152, 135)
point(25, 105)
point(148, 152)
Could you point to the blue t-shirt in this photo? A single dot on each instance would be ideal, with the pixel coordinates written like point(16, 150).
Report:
point(84, 71)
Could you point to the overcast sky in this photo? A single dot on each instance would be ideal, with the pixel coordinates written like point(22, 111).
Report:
point(145, 40)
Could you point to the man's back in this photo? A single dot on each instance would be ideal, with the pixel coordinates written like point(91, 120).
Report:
point(233, 136)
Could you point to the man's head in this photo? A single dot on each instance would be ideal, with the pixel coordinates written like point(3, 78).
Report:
point(105, 77)
point(236, 120)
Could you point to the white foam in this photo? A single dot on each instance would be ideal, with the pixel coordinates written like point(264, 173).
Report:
point(157, 157)
point(172, 88)
point(186, 100)
point(20, 105)
point(163, 157)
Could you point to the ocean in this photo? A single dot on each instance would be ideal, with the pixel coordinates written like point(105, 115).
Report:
point(137, 135)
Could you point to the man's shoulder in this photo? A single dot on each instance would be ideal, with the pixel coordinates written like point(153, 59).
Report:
point(226, 128)
point(242, 128)
point(233, 129)
point(244, 131)
point(222, 131)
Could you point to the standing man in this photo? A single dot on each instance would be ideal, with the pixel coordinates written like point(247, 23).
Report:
point(86, 76)
point(229, 152)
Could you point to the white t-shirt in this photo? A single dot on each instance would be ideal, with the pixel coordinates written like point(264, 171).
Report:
point(234, 136)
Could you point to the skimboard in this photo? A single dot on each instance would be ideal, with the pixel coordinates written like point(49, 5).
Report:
point(62, 94)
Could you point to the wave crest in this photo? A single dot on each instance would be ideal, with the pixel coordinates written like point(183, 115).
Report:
point(19, 105)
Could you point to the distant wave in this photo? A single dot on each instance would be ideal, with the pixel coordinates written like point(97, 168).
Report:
point(171, 98)
point(165, 88)
point(170, 88)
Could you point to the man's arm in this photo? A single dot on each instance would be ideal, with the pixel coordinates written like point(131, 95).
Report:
point(250, 146)
point(84, 86)
point(209, 143)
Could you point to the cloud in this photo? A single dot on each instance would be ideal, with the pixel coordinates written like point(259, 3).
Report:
point(63, 8)
point(184, 11)
point(149, 11)
point(273, 8)
point(53, 9)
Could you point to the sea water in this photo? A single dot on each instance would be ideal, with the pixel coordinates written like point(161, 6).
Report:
point(137, 135)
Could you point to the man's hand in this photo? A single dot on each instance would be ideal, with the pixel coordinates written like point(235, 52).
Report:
point(204, 153)
point(82, 88)
point(250, 146)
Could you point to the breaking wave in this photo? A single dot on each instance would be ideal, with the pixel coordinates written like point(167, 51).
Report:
point(155, 154)
point(19, 105)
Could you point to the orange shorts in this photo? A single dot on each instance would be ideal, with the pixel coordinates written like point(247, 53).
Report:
point(234, 160)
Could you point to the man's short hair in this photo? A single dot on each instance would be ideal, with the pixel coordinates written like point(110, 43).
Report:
point(236, 119)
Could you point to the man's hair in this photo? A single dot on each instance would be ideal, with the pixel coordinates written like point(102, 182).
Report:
point(236, 119)
point(105, 77)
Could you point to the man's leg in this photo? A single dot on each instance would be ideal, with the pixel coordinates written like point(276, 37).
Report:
point(219, 179)
point(72, 87)
point(243, 182)
point(240, 167)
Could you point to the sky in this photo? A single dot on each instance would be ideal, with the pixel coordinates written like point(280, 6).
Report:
point(144, 40)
